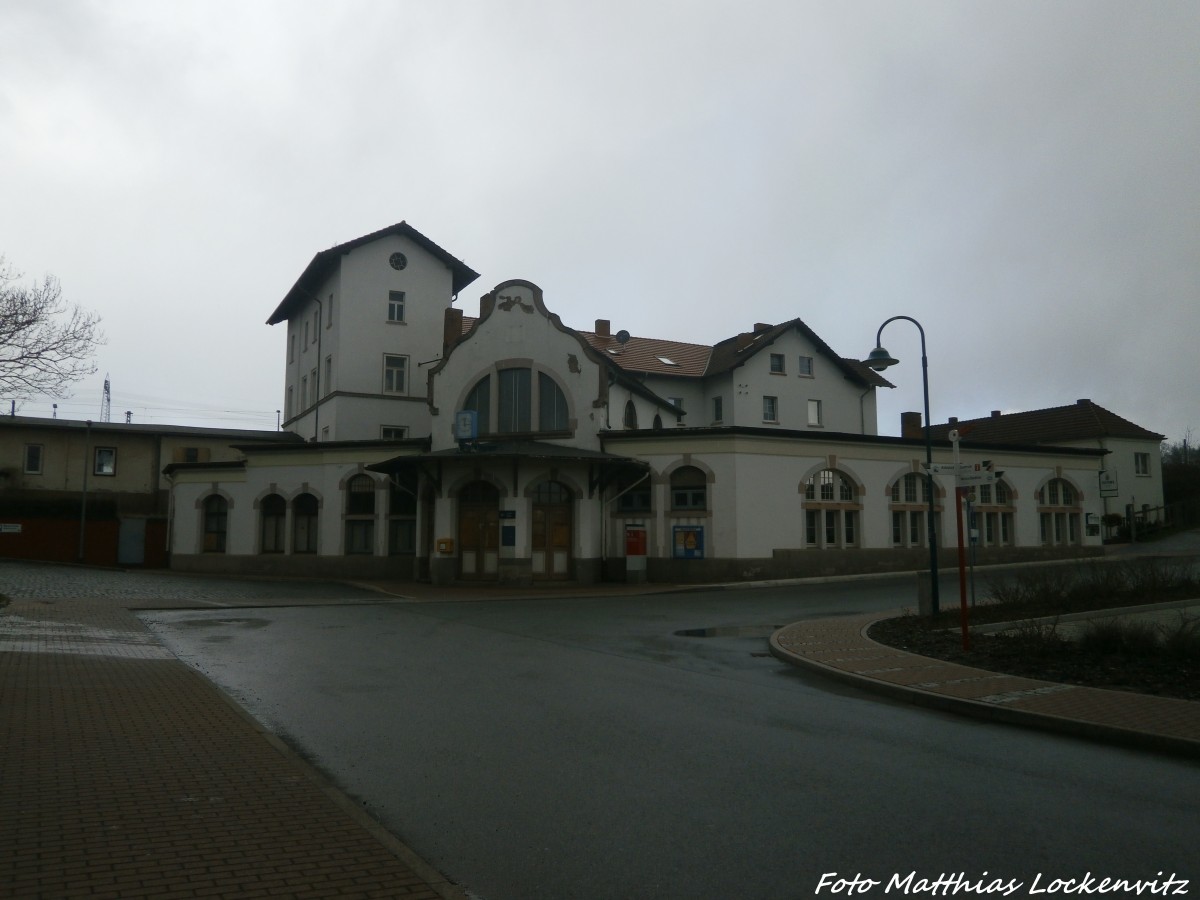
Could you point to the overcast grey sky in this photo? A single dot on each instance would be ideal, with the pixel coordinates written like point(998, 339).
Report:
point(1021, 177)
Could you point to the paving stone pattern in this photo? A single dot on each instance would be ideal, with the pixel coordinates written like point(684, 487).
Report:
point(125, 774)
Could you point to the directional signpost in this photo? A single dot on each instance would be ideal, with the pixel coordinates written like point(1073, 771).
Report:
point(965, 475)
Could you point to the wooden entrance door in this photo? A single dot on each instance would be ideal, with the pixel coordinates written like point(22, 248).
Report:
point(479, 531)
point(553, 516)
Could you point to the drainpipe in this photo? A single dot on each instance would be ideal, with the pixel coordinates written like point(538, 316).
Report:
point(862, 412)
point(87, 446)
point(320, 365)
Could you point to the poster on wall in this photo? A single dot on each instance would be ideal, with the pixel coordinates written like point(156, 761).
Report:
point(689, 541)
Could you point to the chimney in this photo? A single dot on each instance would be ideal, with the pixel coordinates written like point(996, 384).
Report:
point(486, 304)
point(451, 328)
point(760, 327)
point(953, 421)
point(995, 413)
point(744, 341)
point(1084, 402)
point(603, 328)
point(910, 425)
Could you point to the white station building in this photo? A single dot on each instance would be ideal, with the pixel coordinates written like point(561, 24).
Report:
point(511, 447)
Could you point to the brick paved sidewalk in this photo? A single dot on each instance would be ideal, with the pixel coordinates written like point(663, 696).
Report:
point(125, 774)
point(839, 647)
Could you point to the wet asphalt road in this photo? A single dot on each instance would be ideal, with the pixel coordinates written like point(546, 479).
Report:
point(584, 748)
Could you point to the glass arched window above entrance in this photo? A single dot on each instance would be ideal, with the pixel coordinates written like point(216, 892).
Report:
point(520, 403)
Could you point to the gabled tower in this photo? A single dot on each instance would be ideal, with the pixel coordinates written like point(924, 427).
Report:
point(362, 318)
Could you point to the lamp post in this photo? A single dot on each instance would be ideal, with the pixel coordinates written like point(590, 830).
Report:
point(879, 360)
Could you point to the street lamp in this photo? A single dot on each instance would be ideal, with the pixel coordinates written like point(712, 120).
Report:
point(879, 360)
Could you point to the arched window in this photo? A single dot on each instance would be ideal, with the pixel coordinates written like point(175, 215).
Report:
point(689, 490)
point(552, 405)
point(402, 514)
point(832, 511)
point(515, 401)
point(517, 410)
point(1059, 512)
point(360, 515)
point(480, 400)
point(630, 414)
point(216, 523)
point(272, 513)
point(551, 492)
point(910, 511)
point(912, 488)
point(993, 512)
point(304, 524)
point(829, 484)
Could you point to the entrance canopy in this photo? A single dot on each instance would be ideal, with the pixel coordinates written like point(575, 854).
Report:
point(506, 457)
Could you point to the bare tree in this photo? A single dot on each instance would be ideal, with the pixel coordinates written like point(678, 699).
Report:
point(45, 344)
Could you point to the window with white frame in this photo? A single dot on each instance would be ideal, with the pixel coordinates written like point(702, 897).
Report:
point(291, 348)
point(33, 459)
point(313, 385)
point(910, 511)
point(689, 490)
point(287, 407)
point(395, 306)
point(393, 432)
point(328, 375)
point(1059, 512)
point(993, 514)
point(805, 367)
point(831, 510)
point(303, 391)
point(777, 364)
point(395, 368)
point(718, 409)
point(304, 346)
point(676, 402)
point(1141, 464)
point(814, 413)
point(770, 409)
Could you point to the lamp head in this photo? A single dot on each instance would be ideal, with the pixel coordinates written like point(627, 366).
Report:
point(880, 359)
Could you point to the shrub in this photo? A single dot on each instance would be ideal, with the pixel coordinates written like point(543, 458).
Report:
point(1120, 637)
